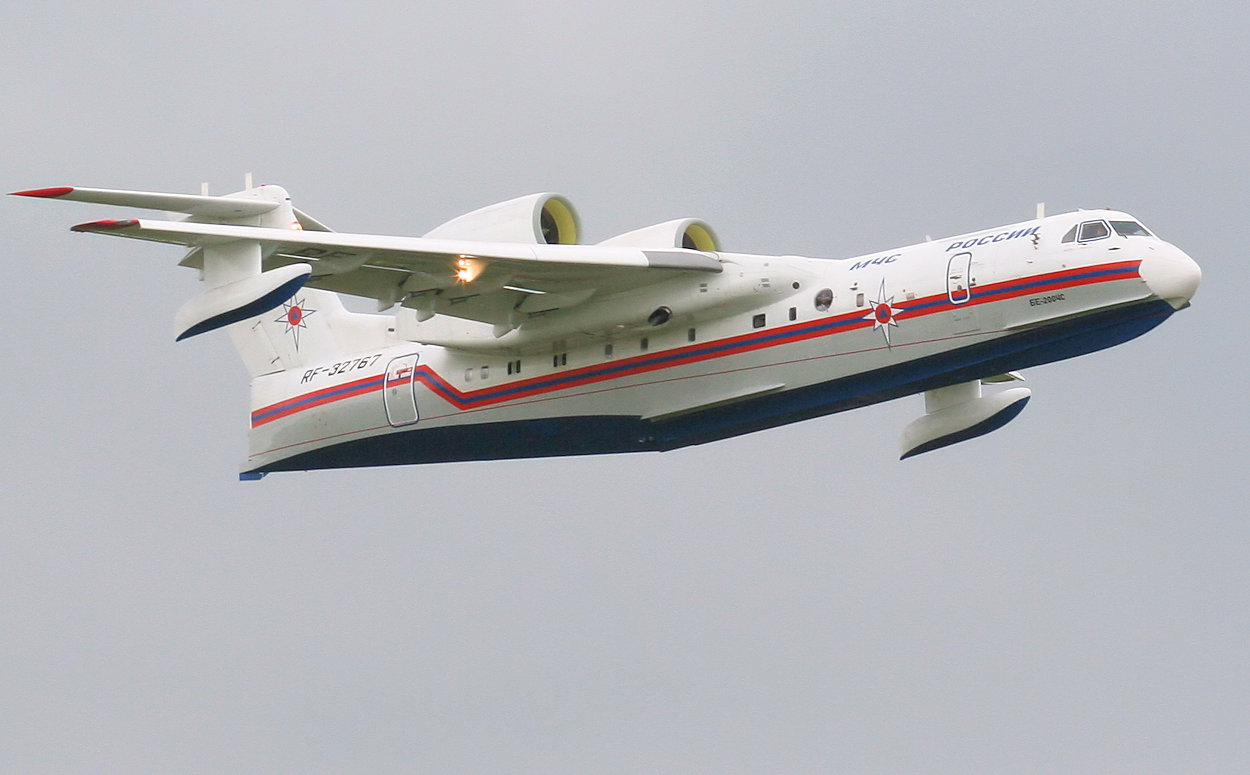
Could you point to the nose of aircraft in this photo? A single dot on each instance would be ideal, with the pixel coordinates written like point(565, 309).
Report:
point(1171, 275)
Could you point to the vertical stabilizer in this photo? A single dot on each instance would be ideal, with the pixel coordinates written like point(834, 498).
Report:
point(273, 320)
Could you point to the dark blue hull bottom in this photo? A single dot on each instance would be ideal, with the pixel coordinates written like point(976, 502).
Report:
point(594, 435)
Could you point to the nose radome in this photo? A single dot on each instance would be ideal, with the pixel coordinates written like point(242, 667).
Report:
point(1171, 275)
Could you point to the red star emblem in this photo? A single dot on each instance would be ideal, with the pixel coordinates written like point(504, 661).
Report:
point(294, 313)
point(884, 314)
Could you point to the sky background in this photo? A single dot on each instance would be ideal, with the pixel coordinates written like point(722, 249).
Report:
point(1068, 594)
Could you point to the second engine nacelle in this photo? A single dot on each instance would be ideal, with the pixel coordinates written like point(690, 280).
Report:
point(535, 219)
point(690, 233)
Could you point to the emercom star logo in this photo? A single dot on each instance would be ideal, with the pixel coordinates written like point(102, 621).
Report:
point(884, 314)
point(294, 313)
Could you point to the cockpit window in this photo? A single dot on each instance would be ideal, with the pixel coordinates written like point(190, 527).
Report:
point(1093, 230)
point(1071, 235)
point(1130, 229)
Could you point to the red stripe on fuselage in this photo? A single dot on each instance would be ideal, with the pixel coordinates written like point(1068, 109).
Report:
point(743, 343)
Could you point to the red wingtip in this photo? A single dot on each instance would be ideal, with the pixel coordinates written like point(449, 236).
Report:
point(110, 224)
point(47, 193)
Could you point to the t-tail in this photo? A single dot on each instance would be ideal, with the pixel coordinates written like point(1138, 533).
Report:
point(275, 322)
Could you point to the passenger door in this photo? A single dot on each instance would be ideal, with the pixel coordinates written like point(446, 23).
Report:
point(959, 278)
point(399, 391)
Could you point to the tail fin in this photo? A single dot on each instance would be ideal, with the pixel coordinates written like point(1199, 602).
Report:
point(274, 322)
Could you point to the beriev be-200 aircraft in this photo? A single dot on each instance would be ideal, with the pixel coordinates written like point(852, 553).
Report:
point(500, 336)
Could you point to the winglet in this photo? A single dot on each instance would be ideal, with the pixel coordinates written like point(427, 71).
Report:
point(109, 224)
point(46, 193)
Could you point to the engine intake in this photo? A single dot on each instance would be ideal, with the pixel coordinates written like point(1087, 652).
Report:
point(689, 233)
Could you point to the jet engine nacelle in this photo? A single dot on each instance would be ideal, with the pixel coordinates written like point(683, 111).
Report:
point(958, 413)
point(535, 219)
point(690, 233)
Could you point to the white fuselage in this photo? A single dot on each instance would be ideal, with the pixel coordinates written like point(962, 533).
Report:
point(770, 340)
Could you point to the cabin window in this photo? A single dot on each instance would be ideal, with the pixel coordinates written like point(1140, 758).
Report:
point(690, 335)
point(824, 299)
point(607, 351)
point(485, 372)
point(794, 313)
point(514, 367)
point(859, 300)
point(758, 321)
point(1130, 229)
point(468, 374)
point(1093, 230)
point(560, 359)
point(643, 343)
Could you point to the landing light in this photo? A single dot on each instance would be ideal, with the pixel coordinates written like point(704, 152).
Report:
point(466, 269)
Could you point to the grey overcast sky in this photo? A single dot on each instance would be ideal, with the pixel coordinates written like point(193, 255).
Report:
point(1068, 594)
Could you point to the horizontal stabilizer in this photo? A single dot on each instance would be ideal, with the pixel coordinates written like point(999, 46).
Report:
point(231, 206)
point(239, 300)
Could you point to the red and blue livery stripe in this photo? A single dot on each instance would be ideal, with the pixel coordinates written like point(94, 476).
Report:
point(756, 340)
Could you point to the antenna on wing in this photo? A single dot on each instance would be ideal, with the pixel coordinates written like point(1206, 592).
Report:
point(247, 181)
point(1041, 210)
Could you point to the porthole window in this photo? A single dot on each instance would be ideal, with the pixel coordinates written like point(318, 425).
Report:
point(824, 299)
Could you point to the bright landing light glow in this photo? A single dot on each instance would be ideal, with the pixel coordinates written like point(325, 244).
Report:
point(466, 269)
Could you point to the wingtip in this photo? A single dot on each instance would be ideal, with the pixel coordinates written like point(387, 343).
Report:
point(45, 193)
point(110, 224)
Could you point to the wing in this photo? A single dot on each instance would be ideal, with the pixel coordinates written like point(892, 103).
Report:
point(483, 281)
